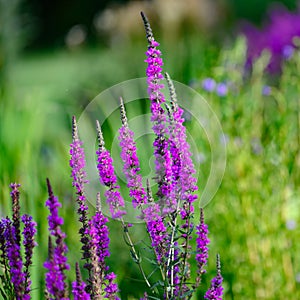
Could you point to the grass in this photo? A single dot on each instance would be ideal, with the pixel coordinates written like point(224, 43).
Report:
point(251, 215)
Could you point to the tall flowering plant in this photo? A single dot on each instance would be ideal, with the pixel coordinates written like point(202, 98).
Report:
point(168, 214)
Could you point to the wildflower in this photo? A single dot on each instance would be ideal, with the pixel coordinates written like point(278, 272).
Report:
point(222, 89)
point(158, 117)
point(99, 245)
point(111, 288)
point(290, 224)
point(3, 224)
point(77, 164)
point(215, 291)
point(78, 286)
point(155, 226)
point(13, 253)
point(288, 51)
point(208, 84)
point(275, 35)
point(202, 242)
point(57, 260)
point(131, 162)
point(266, 90)
point(29, 243)
point(186, 184)
point(15, 194)
point(108, 178)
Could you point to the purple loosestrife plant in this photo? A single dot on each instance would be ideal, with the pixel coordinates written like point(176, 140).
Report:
point(131, 162)
point(15, 279)
point(276, 36)
point(168, 215)
point(29, 232)
point(109, 179)
point(78, 286)
point(99, 245)
point(56, 264)
point(158, 117)
point(15, 195)
point(13, 252)
point(202, 242)
point(215, 291)
point(7, 290)
point(77, 164)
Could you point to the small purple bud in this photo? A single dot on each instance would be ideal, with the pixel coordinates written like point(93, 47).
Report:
point(208, 84)
point(290, 224)
point(288, 51)
point(266, 90)
point(222, 89)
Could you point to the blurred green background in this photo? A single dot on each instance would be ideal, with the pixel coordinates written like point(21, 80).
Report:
point(56, 56)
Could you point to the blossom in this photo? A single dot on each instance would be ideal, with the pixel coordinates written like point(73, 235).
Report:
point(221, 89)
point(276, 35)
point(208, 84)
point(78, 286)
point(215, 291)
point(288, 51)
point(57, 260)
point(131, 162)
point(108, 178)
point(202, 242)
point(13, 253)
point(155, 226)
point(266, 90)
point(29, 243)
point(77, 164)
point(111, 287)
point(99, 235)
point(158, 116)
point(186, 181)
point(15, 194)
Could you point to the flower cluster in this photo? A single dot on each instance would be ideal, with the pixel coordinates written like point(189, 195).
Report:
point(168, 215)
point(16, 276)
point(216, 290)
point(210, 85)
point(276, 35)
point(56, 264)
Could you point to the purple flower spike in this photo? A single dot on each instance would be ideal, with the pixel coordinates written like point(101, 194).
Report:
point(99, 236)
point(29, 243)
point(209, 84)
point(99, 247)
point(3, 224)
point(15, 261)
point(202, 242)
point(131, 162)
point(155, 227)
point(78, 287)
point(158, 117)
point(108, 178)
point(216, 290)
point(15, 195)
point(57, 261)
point(186, 182)
point(77, 163)
point(111, 288)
